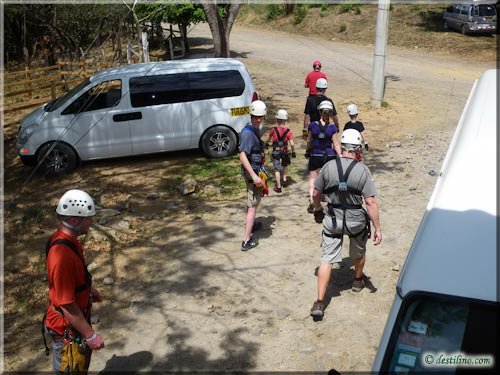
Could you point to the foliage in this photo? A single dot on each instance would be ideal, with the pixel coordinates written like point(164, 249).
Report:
point(345, 8)
point(273, 11)
point(342, 28)
point(299, 13)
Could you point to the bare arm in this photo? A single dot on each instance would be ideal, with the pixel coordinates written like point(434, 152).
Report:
point(75, 317)
point(336, 144)
point(307, 120)
point(316, 199)
point(248, 168)
point(372, 209)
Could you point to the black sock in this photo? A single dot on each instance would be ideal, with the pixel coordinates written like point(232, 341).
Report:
point(358, 278)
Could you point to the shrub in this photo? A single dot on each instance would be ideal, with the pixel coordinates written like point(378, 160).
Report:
point(355, 8)
point(342, 28)
point(299, 13)
point(273, 11)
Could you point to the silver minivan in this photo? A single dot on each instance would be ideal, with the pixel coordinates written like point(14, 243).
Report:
point(444, 317)
point(476, 17)
point(138, 109)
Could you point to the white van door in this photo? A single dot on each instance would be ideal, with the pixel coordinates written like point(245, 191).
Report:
point(94, 116)
point(164, 104)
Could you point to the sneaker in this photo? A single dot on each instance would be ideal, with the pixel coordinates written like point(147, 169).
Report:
point(277, 189)
point(247, 245)
point(284, 183)
point(358, 285)
point(318, 309)
point(256, 226)
point(310, 209)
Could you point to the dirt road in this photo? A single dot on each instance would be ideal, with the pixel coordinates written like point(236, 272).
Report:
point(186, 298)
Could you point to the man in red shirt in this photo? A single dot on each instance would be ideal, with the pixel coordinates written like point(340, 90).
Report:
point(70, 285)
point(313, 76)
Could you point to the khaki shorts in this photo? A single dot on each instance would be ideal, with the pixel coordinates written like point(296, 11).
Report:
point(331, 247)
point(253, 195)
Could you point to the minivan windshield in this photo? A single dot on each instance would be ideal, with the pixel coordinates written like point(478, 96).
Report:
point(59, 102)
point(484, 10)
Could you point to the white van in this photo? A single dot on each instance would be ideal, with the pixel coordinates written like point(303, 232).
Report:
point(444, 317)
point(139, 109)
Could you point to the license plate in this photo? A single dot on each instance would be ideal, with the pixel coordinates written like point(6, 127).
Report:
point(240, 111)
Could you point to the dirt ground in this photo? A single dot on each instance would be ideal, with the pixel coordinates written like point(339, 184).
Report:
point(179, 293)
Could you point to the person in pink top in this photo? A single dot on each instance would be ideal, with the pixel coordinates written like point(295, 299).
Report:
point(313, 76)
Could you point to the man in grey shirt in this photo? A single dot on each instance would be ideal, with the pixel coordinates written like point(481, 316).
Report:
point(346, 183)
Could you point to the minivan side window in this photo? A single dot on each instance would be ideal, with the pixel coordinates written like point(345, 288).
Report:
point(456, 9)
point(433, 331)
point(106, 94)
point(465, 9)
point(159, 89)
point(216, 84)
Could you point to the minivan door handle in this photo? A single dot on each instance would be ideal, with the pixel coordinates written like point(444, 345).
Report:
point(127, 116)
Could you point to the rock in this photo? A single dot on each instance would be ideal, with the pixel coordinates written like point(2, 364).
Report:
point(107, 212)
point(153, 196)
point(395, 267)
point(120, 206)
point(108, 281)
point(306, 348)
point(188, 186)
point(102, 221)
point(219, 311)
point(432, 173)
point(256, 331)
point(94, 319)
point(282, 313)
point(122, 224)
point(394, 144)
point(92, 266)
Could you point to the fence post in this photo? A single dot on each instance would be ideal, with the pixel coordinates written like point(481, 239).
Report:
point(52, 90)
point(27, 76)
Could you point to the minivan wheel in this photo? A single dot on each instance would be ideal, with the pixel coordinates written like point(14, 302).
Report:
point(218, 142)
point(464, 30)
point(61, 160)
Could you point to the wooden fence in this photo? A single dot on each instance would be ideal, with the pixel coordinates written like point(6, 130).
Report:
point(31, 87)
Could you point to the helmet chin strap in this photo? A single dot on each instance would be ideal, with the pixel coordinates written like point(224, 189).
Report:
point(76, 228)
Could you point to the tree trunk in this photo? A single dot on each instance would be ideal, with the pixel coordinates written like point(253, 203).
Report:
point(220, 27)
point(183, 30)
point(289, 8)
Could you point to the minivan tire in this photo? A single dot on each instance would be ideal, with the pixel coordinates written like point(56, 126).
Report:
point(219, 141)
point(61, 160)
point(464, 30)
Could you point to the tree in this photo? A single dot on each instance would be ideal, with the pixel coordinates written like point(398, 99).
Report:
point(221, 18)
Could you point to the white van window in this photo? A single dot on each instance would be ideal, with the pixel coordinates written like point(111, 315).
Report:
point(465, 9)
point(106, 94)
point(434, 329)
point(159, 89)
point(220, 84)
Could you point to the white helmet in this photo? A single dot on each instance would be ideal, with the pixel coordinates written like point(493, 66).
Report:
point(321, 83)
point(325, 104)
point(281, 114)
point(258, 108)
point(76, 203)
point(351, 137)
point(352, 109)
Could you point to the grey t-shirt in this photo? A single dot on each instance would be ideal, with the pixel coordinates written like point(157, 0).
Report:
point(359, 178)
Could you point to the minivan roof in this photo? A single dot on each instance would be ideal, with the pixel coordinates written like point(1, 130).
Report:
point(151, 68)
point(455, 249)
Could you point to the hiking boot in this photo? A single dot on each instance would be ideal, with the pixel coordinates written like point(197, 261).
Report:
point(318, 309)
point(256, 226)
point(277, 189)
point(358, 285)
point(247, 245)
point(310, 209)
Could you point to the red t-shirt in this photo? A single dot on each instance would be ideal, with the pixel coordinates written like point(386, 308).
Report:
point(65, 272)
point(281, 130)
point(311, 79)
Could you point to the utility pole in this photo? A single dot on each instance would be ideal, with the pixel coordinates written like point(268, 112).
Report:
point(378, 79)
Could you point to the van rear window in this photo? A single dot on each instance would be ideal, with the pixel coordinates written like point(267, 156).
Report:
point(484, 10)
point(185, 87)
point(443, 334)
